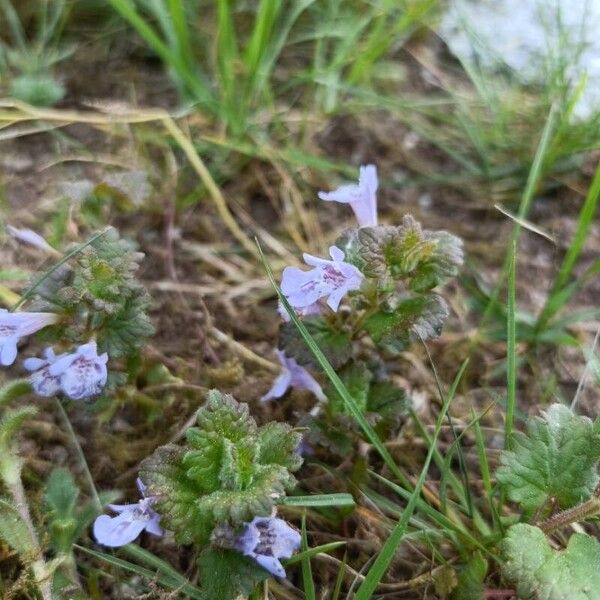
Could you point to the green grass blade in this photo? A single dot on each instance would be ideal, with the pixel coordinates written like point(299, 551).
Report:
point(383, 560)
point(266, 16)
point(175, 584)
point(180, 27)
point(511, 347)
point(586, 217)
point(192, 81)
point(533, 180)
point(340, 579)
point(337, 383)
point(319, 500)
point(29, 292)
point(307, 576)
point(310, 552)
point(484, 468)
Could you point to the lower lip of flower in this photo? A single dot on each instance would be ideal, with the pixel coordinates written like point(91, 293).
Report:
point(7, 331)
point(333, 277)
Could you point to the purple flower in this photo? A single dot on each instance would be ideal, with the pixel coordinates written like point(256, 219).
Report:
point(41, 381)
point(14, 326)
point(27, 236)
point(361, 198)
point(130, 521)
point(332, 278)
point(81, 373)
point(266, 540)
point(292, 376)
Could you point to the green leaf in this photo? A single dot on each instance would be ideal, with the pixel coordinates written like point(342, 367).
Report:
point(14, 531)
point(61, 498)
point(277, 445)
point(541, 573)
point(229, 471)
point(98, 279)
point(357, 378)
point(470, 579)
point(423, 259)
point(166, 477)
point(11, 422)
point(555, 459)
point(61, 493)
point(336, 345)
point(226, 574)
point(14, 389)
point(389, 402)
point(409, 318)
point(441, 265)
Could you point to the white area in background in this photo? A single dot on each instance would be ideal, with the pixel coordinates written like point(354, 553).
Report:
point(523, 34)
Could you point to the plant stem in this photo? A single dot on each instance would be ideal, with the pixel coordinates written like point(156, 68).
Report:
point(580, 512)
point(80, 454)
point(41, 571)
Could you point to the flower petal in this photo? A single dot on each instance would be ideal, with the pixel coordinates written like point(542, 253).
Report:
point(30, 237)
point(33, 363)
point(271, 564)
point(8, 351)
point(279, 387)
point(119, 530)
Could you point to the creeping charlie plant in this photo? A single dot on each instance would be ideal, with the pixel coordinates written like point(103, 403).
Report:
point(374, 297)
point(219, 491)
point(222, 489)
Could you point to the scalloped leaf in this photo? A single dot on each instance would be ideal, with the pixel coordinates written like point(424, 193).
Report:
point(278, 444)
point(229, 472)
point(166, 478)
point(555, 459)
point(335, 344)
point(409, 318)
point(357, 379)
point(100, 282)
point(424, 258)
point(541, 573)
point(224, 428)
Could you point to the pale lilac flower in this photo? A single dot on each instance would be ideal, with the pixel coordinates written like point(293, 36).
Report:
point(332, 278)
point(292, 376)
point(82, 373)
point(362, 198)
point(305, 311)
point(130, 521)
point(41, 381)
point(14, 326)
point(27, 236)
point(266, 540)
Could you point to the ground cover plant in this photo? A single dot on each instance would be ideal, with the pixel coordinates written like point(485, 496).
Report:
point(296, 303)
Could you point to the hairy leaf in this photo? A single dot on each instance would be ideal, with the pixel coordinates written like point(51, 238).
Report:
point(100, 281)
point(470, 579)
point(357, 379)
point(335, 344)
point(13, 530)
point(229, 471)
point(409, 318)
point(424, 259)
point(541, 573)
point(61, 498)
point(555, 459)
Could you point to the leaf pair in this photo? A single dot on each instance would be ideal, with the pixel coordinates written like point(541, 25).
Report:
point(229, 471)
